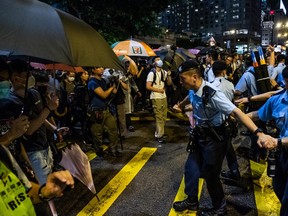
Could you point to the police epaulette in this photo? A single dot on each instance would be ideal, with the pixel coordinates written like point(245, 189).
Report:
point(207, 94)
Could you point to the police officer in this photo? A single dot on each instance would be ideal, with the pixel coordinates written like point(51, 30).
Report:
point(277, 108)
point(227, 87)
point(210, 106)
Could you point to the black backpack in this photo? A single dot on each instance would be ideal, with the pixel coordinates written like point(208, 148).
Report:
point(262, 79)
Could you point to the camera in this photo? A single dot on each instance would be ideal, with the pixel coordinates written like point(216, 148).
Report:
point(112, 77)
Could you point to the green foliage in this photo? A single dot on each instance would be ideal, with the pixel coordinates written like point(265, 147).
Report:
point(117, 19)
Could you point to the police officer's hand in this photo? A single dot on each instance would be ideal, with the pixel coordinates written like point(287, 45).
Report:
point(266, 141)
point(56, 184)
point(53, 103)
point(242, 101)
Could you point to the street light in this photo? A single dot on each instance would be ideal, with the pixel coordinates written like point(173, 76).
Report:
point(278, 25)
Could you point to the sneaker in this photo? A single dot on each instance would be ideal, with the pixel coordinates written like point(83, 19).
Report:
point(233, 175)
point(186, 205)
point(161, 140)
point(221, 211)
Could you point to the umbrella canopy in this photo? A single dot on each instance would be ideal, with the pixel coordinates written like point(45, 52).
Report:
point(77, 162)
point(132, 48)
point(33, 28)
point(173, 60)
point(62, 67)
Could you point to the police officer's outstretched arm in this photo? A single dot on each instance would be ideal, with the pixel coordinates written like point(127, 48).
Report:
point(263, 139)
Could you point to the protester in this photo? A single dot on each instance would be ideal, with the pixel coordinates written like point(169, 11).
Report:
point(211, 57)
point(277, 72)
point(100, 115)
point(156, 80)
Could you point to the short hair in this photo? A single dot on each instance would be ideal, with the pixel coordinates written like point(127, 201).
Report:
point(41, 76)
point(213, 54)
point(281, 57)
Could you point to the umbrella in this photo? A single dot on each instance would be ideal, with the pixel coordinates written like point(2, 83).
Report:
point(64, 67)
point(77, 162)
point(173, 59)
point(33, 28)
point(132, 48)
point(194, 51)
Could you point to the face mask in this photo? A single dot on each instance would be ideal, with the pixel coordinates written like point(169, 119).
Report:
point(31, 82)
point(71, 79)
point(159, 63)
point(4, 89)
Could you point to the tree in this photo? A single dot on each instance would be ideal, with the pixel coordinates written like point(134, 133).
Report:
point(117, 19)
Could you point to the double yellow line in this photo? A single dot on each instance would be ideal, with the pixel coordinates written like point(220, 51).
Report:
point(118, 184)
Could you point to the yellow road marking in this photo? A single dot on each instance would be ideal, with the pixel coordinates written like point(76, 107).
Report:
point(266, 202)
point(181, 196)
point(91, 154)
point(118, 184)
point(148, 118)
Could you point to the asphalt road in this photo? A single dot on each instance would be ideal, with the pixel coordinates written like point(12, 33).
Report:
point(155, 186)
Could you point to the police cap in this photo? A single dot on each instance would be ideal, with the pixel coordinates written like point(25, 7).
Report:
point(188, 65)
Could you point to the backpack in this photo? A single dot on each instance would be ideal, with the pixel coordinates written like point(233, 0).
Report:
point(154, 76)
point(262, 79)
point(81, 95)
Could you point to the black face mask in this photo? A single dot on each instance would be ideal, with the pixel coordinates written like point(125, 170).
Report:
point(42, 90)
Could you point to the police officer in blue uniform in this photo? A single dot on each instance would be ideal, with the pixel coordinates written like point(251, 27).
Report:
point(277, 108)
point(210, 108)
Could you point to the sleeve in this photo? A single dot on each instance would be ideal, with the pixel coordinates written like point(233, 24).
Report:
point(92, 85)
point(265, 112)
point(275, 73)
point(270, 69)
point(242, 84)
point(211, 76)
point(150, 77)
point(222, 104)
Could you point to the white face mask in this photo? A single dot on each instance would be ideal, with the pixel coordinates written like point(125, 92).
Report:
point(71, 79)
point(31, 82)
point(159, 63)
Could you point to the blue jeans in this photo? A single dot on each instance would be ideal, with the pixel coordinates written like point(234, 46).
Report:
point(42, 163)
point(280, 182)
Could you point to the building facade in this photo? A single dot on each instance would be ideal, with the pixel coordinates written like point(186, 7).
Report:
point(235, 23)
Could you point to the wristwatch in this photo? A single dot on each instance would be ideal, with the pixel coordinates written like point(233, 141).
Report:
point(258, 130)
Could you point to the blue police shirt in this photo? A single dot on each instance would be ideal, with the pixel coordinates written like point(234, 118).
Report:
point(247, 83)
point(218, 107)
point(276, 108)
point(96, 101)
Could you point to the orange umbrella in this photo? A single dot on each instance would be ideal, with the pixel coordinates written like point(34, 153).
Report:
point(63, 67)
point(132, 48)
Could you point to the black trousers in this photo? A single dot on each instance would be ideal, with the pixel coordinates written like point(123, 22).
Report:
point(206, 160)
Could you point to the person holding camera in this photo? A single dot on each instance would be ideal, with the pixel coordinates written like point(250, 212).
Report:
point(277, 108)
point(100, 115)
point(156, 80)
point(209, 146)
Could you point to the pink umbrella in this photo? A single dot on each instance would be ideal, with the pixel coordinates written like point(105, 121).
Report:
point(77, 162)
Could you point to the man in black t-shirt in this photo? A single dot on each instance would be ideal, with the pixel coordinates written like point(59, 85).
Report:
point(35, 139)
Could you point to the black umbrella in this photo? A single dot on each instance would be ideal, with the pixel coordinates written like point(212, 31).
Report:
point(33, 28)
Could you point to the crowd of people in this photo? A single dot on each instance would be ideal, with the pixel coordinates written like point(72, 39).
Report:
point(39, 108)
